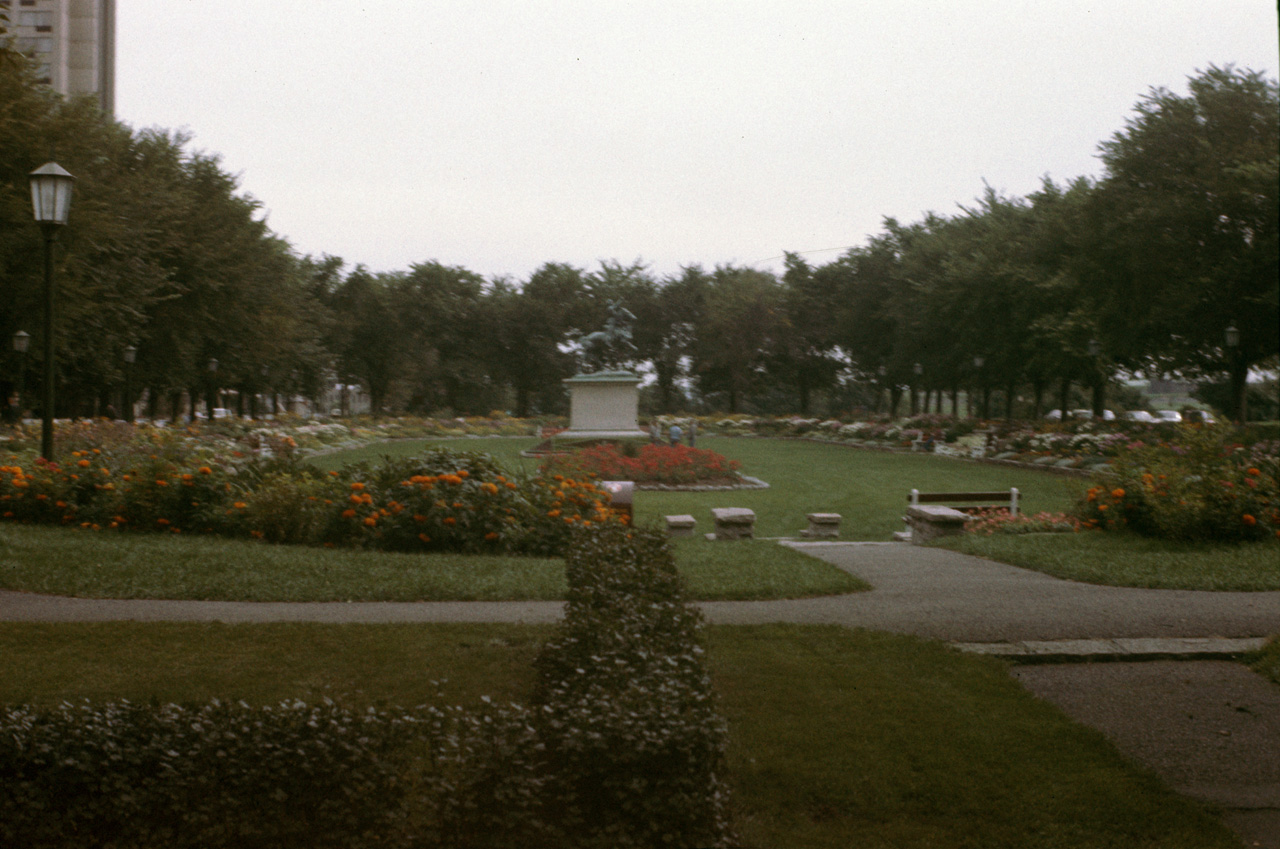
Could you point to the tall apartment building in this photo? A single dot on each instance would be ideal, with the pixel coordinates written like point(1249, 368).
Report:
point(73, 43)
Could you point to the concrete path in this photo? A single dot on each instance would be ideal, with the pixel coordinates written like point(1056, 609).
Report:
point(923, 591)
point(932, 592)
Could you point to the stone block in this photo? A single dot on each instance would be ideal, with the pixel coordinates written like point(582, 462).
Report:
point(680, 526)
point(822, 525)
point(734, 522)
point(929, 522)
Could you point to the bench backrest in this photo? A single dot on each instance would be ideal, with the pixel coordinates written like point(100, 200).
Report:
point(999, 498)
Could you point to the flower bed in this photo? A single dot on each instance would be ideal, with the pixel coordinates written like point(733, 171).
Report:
point(1203, 487)
point(649, 464)
point(115, 477)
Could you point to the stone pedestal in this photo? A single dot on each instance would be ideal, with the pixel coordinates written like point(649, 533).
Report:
point(822, 525)
point(603, 405)
point(931, 522)
point(681, 525)
point(734, 522)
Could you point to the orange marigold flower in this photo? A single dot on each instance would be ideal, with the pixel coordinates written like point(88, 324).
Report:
point(462, 473)
point(371, 520)
point(1102, 507)
point(1248, 520)
point(162, 521)
point(449, 520)
point(348, 514)
point(162, 483)
point(1117, 493)
point(357, 486)
point(205, 470)
point(424, 537)
point(553, 513)
point(1252, 471)
point(84, 464)
point(240, 505)
point(491, 536)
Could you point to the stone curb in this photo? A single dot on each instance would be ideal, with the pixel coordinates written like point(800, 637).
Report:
point(1140, 648)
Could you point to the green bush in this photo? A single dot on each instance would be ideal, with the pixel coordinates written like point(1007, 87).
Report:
point(215, 775)
point(621, 745)
point(1200, 487)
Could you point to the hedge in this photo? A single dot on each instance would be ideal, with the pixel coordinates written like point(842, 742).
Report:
point(620, 746)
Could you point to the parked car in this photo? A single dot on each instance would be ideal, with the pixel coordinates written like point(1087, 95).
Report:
point(1167, 416)
point(1140, 416)
point(1202, 416)
point(1056, 415)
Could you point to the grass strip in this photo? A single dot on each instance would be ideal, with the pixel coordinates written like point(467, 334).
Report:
point(838, 738)
point(1129, 560)
point(89, 564)
point(70, 561)
point(263, 664)
point(1267, 661)
point(850, 738)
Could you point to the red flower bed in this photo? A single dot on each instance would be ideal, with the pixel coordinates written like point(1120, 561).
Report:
point(666, 464)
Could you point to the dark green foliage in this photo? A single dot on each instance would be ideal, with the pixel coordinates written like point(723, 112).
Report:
point(630, 749)
point(620, 746)
point(203, 776)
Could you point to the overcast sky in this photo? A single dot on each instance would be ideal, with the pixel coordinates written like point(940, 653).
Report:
point(502, 135)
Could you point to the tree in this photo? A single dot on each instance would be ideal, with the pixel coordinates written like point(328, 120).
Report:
point(738, 333)
point(1186, 223)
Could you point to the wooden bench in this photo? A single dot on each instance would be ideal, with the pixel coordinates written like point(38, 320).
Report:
point(921, 512)
point(971, 502)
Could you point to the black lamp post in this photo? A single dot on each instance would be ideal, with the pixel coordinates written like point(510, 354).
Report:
point(915, 389)
point(130, 356)
point(1100, 378)
point(1239, 374)
point(978, 363)
point(21, 341)
point(51, 203)
point(211, 402)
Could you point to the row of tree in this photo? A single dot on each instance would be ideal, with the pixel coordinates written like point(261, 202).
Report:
point(1144, 269)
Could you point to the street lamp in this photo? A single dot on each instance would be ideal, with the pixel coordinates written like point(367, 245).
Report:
point(21, 341)
point(978, 362)
point(130, 356)
point(51, 203)
point(211, 401)
point(1100, 378)
point(1239, 376)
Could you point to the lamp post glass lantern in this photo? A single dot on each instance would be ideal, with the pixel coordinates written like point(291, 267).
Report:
point(51, 205)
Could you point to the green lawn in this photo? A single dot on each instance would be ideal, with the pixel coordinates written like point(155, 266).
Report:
point(1128, 560)
point(838, 738)
point(70, 561)
point(867, 488)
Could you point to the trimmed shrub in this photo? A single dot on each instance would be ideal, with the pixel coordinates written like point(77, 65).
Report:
point(215, 775)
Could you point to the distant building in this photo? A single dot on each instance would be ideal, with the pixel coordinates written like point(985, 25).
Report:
point(73, 43)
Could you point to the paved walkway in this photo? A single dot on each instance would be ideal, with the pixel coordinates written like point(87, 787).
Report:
point(928, 592)
point(1217, 743)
